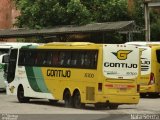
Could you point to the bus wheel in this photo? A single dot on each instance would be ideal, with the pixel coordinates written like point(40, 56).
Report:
point(143, 95)
point(99, 106)
point(53, 101)
point(77, 100)
point(153, 95)
point(20, 95)
point(67, 99)
point(113, 106)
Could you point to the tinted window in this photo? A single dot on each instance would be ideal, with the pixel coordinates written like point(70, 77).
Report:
point(158, 55)
point(59, 58)
point(2, 51)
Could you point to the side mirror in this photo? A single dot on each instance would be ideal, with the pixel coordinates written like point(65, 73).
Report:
point(5, 59)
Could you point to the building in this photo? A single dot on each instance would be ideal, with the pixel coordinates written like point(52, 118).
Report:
point(8, 14)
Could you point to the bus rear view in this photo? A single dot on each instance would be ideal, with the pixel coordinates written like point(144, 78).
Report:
point(121, 72)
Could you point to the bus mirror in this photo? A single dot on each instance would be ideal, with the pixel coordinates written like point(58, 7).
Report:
point(5, 59)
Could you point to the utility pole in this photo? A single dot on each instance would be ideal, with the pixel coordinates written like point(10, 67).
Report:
point(147, 20)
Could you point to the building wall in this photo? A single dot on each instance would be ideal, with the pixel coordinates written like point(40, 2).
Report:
point(5, 14)
point(8, 14)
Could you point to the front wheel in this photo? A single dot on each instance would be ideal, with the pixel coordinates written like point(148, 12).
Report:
point(20, 95)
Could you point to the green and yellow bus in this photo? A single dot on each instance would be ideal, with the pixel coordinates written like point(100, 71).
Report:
point(78, 73)
point(150, 68)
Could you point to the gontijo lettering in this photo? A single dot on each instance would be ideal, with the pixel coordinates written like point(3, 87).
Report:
point(120, 65)
point(58, 73)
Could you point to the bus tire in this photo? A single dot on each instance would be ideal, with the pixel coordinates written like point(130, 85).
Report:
point(20, 95)
point(153, 95)
point(99, 106)
point(53, 101)
point(113, 106)
point(143, 95)
point(68, 99)
point(77, 100)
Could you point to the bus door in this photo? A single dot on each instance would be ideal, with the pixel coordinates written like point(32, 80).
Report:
point(12, 65)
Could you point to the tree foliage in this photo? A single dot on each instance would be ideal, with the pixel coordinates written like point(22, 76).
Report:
point(49, 13)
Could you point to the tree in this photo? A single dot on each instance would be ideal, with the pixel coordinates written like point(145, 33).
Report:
point(49, 13)
point(155, 23)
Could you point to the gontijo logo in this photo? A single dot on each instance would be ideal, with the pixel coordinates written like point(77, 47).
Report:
point(122, 54)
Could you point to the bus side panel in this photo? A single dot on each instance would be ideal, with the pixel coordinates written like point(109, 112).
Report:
point(59, 79)
point(24, 76)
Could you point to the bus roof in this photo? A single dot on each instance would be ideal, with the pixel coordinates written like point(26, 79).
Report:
point(68, 44)
point(15, 44)
point(143, 43)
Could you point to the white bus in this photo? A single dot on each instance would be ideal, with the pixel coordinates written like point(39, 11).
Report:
point(4, 50)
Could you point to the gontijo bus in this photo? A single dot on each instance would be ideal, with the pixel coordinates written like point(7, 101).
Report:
point(78, 73)
point(150, 67)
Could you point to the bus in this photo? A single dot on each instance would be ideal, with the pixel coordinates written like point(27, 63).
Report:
point(4, 50)
point(78, 73)
point(150, 68)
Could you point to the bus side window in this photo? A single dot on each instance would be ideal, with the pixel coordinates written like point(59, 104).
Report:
point(27, 58)
point(46, 58)
point(32, 58)
point(82, 59)
point(40, 58)
point(87, 59)
point(61, 58)
point(78, 58)
point(68, 58)
point(21, 60)
point(49, 58)
point(36, 59)
point(45, 55)
point(73, 59)
point(93, 59)
point(158, 55)
point(55, 58)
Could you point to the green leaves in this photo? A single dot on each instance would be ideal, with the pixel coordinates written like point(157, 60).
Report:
point(77, 13)
point(49, 13)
